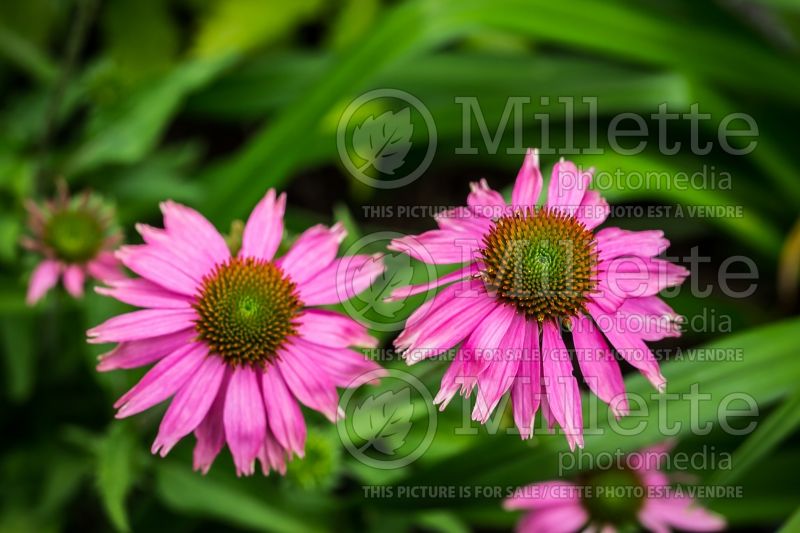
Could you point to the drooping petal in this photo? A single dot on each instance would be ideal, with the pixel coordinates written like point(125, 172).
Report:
point(649, 317)
point(567, 518)
point(271, 455)
point(455, 317)
point(283, 412)
point(142, 324)
point(314, 250)
point(144, 293)
point(182, 254)
point(210, 434)
point(464, 220)
point(568, 184)
point(190, 405)
point(343, 279)
point(499, 376)
point(529, 182)
point(134, 354)
point(526, 392)
point(662, 514)
point(636, 277)
point(313, 388)
point(476, 354)
point(563, 394)
point(630, 346)
point(244, 418)
point(330, 328)
point(105, 267)
point(74, 278)
point(599, 367)
point(163, 380)
point(44, 277)
point(264, 229)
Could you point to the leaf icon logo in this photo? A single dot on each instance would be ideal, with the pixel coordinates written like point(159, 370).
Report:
point(384, 142)
point(387, 420)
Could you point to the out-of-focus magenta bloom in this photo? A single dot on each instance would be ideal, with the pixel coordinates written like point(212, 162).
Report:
point(237, 340)
point(75, 237)
point(636, 490)
point(529, 273)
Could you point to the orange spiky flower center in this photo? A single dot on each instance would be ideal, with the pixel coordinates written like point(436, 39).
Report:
point(543, 262)
point(247, 309)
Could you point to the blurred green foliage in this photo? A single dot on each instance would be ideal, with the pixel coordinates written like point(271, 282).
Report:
point(210, 102)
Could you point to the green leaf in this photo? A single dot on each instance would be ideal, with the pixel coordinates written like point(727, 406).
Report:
point(237, 26)
point(776, 428)
point(126, 131)
point(18, 333)
point(189, 492)
point(115, 472)
point(793, 524)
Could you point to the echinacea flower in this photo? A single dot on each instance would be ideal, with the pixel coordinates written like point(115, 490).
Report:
point(530, 273)
point(635, 490)
point(75, 237)
point(238, 340)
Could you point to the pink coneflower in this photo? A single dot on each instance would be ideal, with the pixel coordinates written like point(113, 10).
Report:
point(76, 237)
point(635, 490)
point(529, 274)
point(237, 339)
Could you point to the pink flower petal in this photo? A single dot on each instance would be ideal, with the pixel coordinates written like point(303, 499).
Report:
point(330, 328)
point(134, 354)
point(264, 229)
point(636, 277)
point(486, 201)
point(498, 377)
point(343, 279)
point(345, 368)
point(455, 315)
point(158, 267)
point(74, 279)
point(144, 293)
point(317, 242)
point(44, 278)
point(568, 184)
point(563, 394)
point(163, 380)
point(464, 220)
point(593, 210)
point(190, 405)
point(529, 182)
point(663, 514)
point(439, 247)
point(476, 353)
point(190, 227)
point(313, 388)
point(244, 418)
point(143, 324)
point(105, 267)
point(283, 412)
point(568, 518)
point(271, 455)
point(615, 242)
point(210, 434)
point(630, 346)
point(650, 318)
point(410, 290)
point(599, 367)
point(526, 392)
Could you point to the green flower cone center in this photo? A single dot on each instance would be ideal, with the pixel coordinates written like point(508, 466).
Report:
point(75, 236)
point(247, 309)
point(542, 262)
point(614, 497)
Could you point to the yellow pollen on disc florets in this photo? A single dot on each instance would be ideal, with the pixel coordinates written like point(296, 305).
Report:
point(541, 261)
